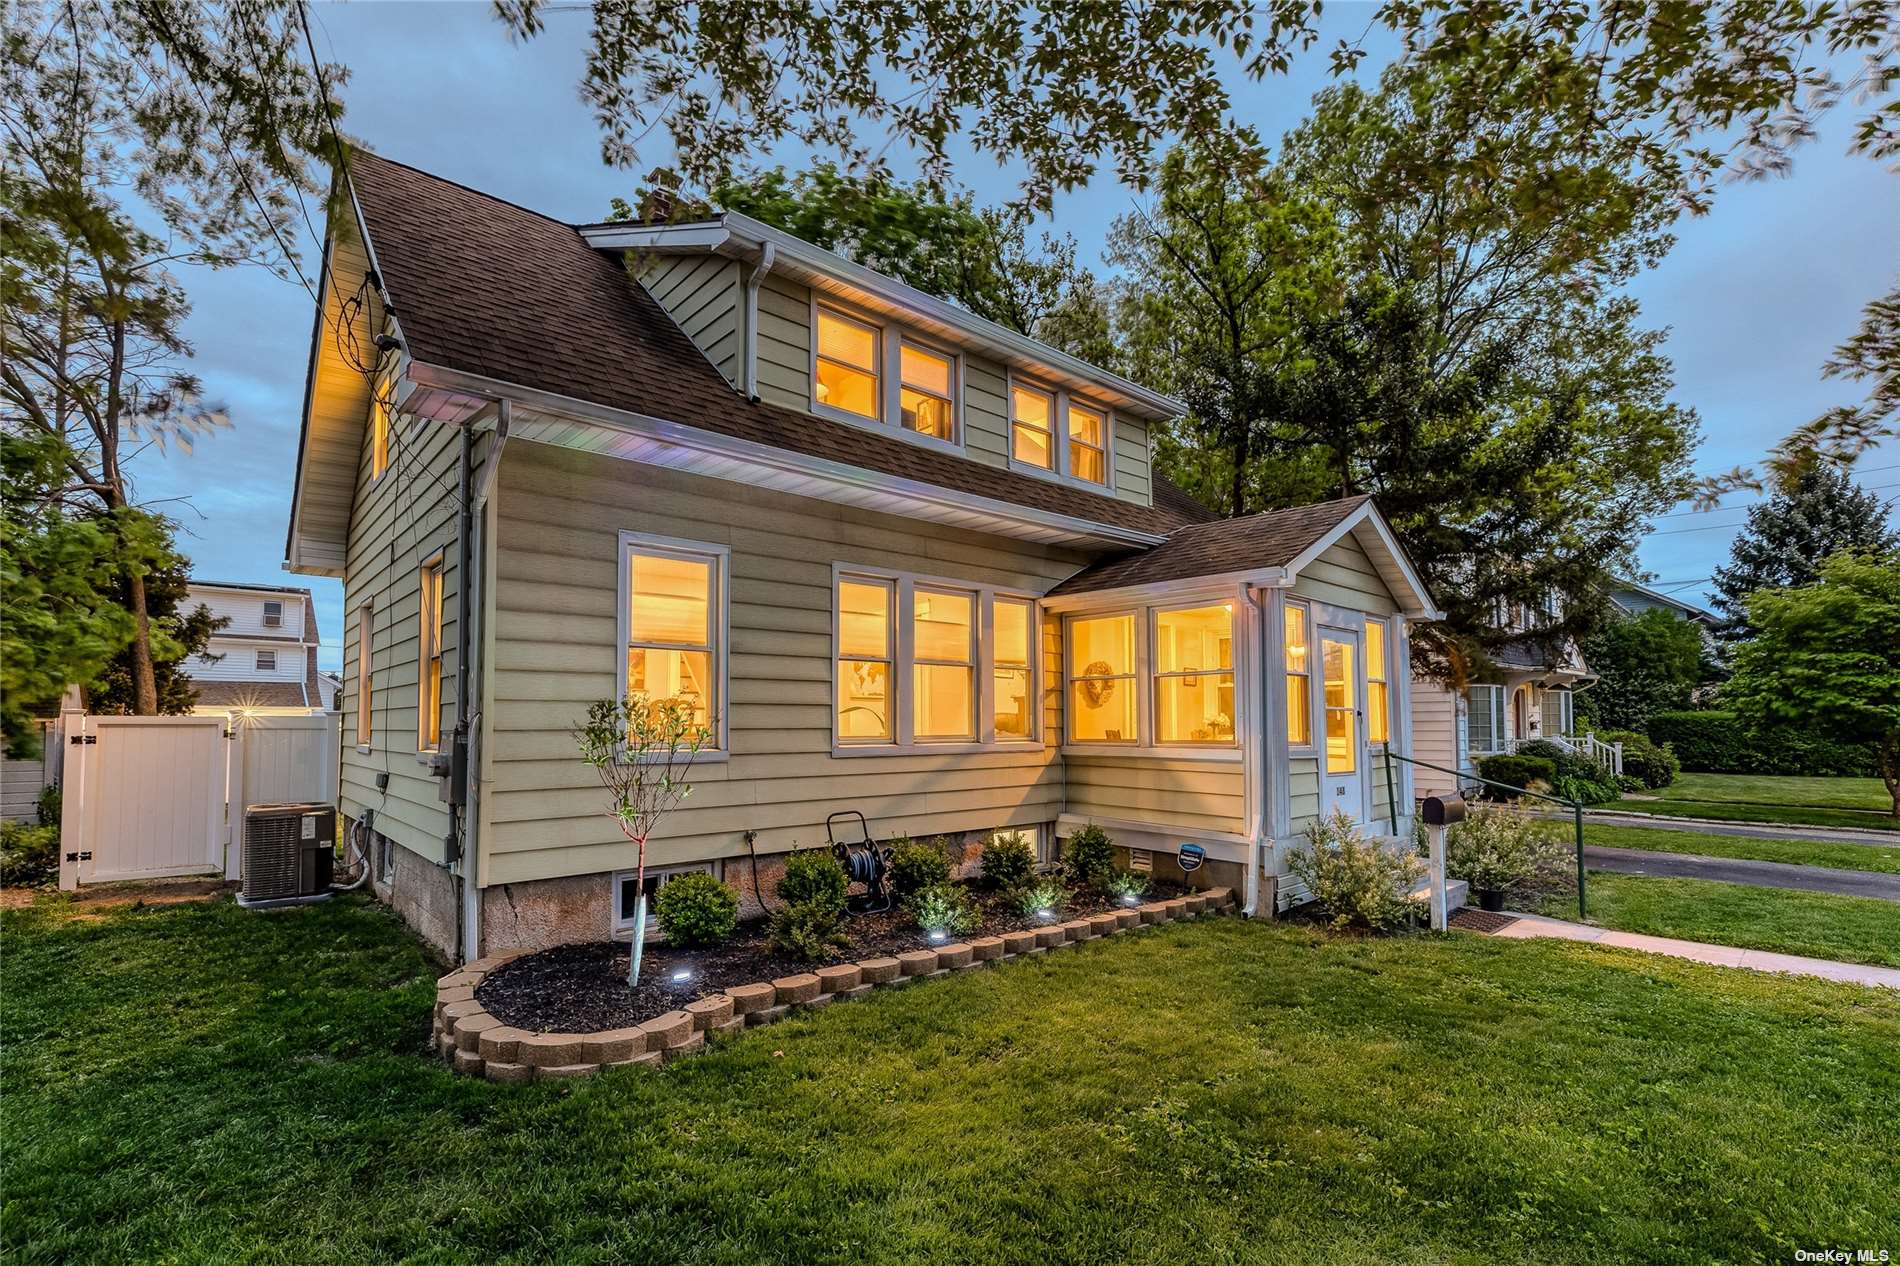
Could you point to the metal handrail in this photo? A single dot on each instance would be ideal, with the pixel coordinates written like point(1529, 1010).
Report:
point(1575, 806)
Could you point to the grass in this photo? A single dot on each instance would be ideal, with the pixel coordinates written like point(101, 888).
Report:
point(1844, 802)
point(196, 1083)
point(1872, 857)
point(1784, 920)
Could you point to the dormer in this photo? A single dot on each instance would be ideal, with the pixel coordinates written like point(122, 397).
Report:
point(804, 328)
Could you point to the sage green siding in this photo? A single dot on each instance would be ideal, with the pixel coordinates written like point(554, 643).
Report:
point(1189, 796)
point(986, 410)
point(702, 294)
point(1345, 577)
point(1132, 480)
point(784, 343)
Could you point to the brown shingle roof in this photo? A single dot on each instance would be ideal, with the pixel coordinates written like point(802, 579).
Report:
point(251, 694)
point(486, 287)
point(1273, 539)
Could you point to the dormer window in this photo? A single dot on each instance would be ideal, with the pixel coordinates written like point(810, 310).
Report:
point(1088, 444)
point(1052, 431)
point(924, 398)
point(847, 365)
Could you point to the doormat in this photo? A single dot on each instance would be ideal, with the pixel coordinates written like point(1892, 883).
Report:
point(1471, 919)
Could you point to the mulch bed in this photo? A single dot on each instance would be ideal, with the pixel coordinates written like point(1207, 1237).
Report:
point(580, 988)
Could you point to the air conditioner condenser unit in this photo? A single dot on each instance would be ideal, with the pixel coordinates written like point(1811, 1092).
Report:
point(289, 854)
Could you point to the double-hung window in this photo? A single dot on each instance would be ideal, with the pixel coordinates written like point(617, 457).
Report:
point(1013, 644)
point(867, 633)
point(267, 661)
point(943, 663)
point(673, 629)
point(1194, 675)
point(1102, 679)
point(273, 614)
point(1484, 719)
point(1088, 444)
point(924, 392)
point(1299, 678)
point(1378, 685)
point(429, 655)
point(1053, 431)
point(1032, 426)
point(848, 368)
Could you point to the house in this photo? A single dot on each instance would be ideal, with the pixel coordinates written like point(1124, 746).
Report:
point(898, 559)
point(1631, 598)
point(264, 661)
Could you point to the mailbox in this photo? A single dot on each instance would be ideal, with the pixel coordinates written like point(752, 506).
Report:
point(1444, 810)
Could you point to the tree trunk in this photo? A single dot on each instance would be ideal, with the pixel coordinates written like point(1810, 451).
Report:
point(1890, 771)
point(144, 680)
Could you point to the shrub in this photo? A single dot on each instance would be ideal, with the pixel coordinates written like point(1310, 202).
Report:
point(1008, 860)
point(47, 807)
point(1718, 743)
point(1126, 883)
point(807, 930)
point(696, 910)
point(917, 865)
point(1653, 765)
point(1088, 857)
point(1499, 847)
point(29, 855)
point(1516, 771)
point(813, 877)
point(1359, 883)
point(943, 908)
point(1044, 894)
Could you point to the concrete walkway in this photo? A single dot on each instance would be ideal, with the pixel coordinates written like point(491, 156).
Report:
point(1532, 926)
point(1848, 883)
point(1750, 830)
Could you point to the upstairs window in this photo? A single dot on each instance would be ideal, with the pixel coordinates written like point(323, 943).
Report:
point(365, 681)
point(267, 661)
point(924, 396)
point(273, 614)
point(1013, 618)
point(1053, 431)
point(1032, 427)
point(378, 436)
point(847, 365)
point(1102, 679)
point(1194, 675)
point(1088, 444)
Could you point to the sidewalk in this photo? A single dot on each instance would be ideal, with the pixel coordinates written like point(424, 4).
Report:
point(1531, 926)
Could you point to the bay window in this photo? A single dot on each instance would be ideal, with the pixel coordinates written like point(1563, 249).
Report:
point(847, 369)
point(943, 665)
point(673, 628)
point(1299, 678)
point(866, 650)
point(1378, 685)
point(1194, 675)
point(1102, 679)
point(1013, 619)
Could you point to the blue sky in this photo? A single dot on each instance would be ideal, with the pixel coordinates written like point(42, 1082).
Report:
point(1755, 294)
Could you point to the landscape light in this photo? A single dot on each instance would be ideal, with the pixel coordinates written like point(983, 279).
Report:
point(1046, 915)
point(938, 937)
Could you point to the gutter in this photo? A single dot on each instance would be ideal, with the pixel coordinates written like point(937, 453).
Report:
point(768, 255)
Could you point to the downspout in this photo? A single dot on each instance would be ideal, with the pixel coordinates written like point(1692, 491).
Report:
point(768, 255)
point(469, 672)
point(1260, 778)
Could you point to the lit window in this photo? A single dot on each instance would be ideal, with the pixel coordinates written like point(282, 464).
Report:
point(364, 678)
point(1378, 696)
point(672, 605)
point(1088, 444)
point(924, 396)
point(378, 435)
point(1032, 426)
point(267, 661)
point(943, 669)
point(865, 653)
point(1194, 675)
point(1014, 719)
point(1342, 714)
point(847, 364)
point(429, 679)
point(1299, 675)
point(1102, 679)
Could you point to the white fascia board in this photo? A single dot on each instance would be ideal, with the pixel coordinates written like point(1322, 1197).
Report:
point(1418, 603)
point(1186, 587)
point(744, 236)
point(764, 457)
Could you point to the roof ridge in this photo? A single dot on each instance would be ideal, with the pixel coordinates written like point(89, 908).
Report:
point(361, 150)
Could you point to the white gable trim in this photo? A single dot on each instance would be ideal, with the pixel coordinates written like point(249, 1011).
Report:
point(1369, 528)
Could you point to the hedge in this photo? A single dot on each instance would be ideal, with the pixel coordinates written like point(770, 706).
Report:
point(1718, 743)
point(1516, 771)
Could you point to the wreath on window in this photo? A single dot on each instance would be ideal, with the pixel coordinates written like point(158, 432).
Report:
point(1096, 690)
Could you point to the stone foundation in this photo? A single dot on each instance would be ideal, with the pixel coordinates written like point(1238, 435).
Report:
point(1212, 873)
point(426, 896)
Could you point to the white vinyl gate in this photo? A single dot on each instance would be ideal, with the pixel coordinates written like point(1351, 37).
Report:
point(151, 797)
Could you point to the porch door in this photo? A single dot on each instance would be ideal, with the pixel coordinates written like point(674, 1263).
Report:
point(1343, 756)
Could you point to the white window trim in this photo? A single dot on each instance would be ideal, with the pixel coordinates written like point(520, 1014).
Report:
point(1496, 715)
point(903, 740)
point(1136, 675)
point(259, 663)
point(1310, 748)
point(1059, 434)
point(971, 665)
point(1155, 676)
point(889, 342)
point(1144, 744)
point(1385, 677)
point(721, 557)
point(268, 622)
point(623, 924)
point(365, 677)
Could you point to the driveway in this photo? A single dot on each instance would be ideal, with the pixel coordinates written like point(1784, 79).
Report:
point(1851, 883)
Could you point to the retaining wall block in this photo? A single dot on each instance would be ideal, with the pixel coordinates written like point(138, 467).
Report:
point(841, 978)
point(707, 1012)
point(917, 962)
point(549, 1050)
point(795, 989)
point(665, 1032)
point(612, 1046)
point(501, 1045)
point(879, 971)
point(749, 998)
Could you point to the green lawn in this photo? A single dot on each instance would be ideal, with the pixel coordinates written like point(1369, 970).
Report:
point(1785, 920)
point(1849, 802)
point(196, 1083)
point(1797, 852)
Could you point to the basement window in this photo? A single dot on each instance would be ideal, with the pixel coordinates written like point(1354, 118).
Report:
point(626, 892)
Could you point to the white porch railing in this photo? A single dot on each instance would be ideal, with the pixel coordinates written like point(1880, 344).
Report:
point(1607, 755)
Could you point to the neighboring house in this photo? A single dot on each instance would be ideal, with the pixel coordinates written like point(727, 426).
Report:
point(330, 687)
point(899, 559)
point(1633, 599)
point(265, 660)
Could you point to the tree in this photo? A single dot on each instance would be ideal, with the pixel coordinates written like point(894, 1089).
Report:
point(1645, 663)
point(1826, 657)
point(206, 117)
point(178, 636)
point(1788, 536)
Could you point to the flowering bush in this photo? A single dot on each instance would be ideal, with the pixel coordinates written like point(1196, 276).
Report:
point(1359, 883)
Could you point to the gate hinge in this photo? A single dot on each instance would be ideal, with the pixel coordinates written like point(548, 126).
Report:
point(231, 734)
point(90, 740)
point(79, 857)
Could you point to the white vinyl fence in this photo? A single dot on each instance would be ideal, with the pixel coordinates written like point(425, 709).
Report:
point(150, 797)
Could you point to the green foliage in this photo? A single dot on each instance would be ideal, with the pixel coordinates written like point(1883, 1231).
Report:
point(813, 877)
point(1008, 861)
point(1645, 663)
point(696, 910)
point(1719, 742)
point(809, 931)
point(1826, 656)
point(1576, 777)
point(29, 855)
point(1126, 883)
point(49, 804)
point(1498, 848)
point(1788, 536)
point(1359, 883)
point(943, 907)
point(1088, 857)
point(1044, 894)
point(1528, 772)
point(917, 865)
point(178, 636)
point(1653, 765)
